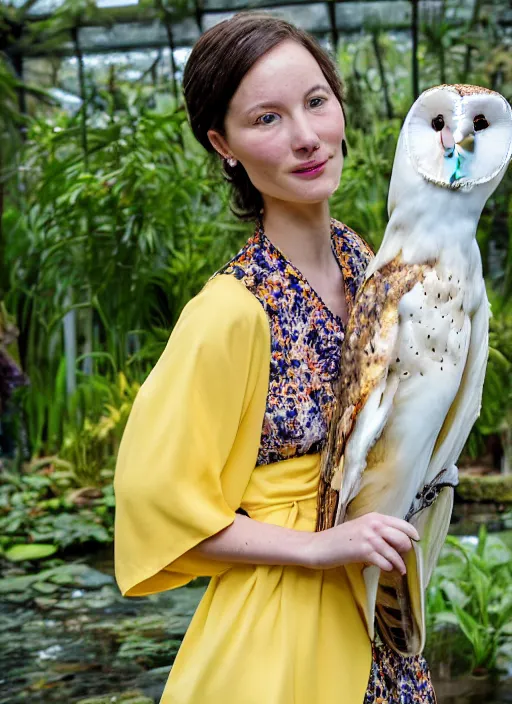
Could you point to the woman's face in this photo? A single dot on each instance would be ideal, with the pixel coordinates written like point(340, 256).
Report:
point(285, 126)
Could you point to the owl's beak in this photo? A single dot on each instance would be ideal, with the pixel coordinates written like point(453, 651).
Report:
point(467, 143)
point(464, 137)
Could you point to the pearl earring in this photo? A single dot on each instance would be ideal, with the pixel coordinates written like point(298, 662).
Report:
point(231, 161)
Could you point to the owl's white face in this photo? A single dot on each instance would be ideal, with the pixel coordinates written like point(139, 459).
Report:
point(459, 136)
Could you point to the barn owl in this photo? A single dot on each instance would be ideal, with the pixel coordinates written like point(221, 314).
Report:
point(415, 348)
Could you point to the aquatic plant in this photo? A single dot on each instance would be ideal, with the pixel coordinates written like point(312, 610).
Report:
point(44, 506)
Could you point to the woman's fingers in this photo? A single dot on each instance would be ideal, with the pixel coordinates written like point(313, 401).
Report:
point(391, 539)
point(379, 561)
point(390, 555)
point(398, 540)
point(402, 526)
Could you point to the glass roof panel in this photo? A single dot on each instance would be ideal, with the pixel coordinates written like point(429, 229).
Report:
point(352, 16)
point(44, 7)
point(312, 17)
point(137, 35)
point(122, 35)
point(237, 4)
point(211, 19)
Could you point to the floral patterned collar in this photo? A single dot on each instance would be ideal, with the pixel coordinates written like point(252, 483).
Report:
point(292, 269)
point(306, 339)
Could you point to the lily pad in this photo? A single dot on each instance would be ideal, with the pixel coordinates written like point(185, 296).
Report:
point(9, 585)
point(45, 602)
point(18, 597)
point(45, 587)
point(30, 551)
point(80, 575)
point(102, 599)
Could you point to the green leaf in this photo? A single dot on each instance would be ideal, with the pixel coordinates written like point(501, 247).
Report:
point(446, 617)
point(474, 632)
point(31, 551)
point(454, 593)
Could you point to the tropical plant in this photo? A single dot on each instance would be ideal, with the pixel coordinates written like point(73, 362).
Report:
point(472, 590)
point(104, 255)
point(91, 444)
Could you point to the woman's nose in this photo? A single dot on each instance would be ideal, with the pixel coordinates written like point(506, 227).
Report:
point(304, 136)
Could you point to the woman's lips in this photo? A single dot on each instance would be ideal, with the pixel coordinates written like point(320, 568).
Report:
point(310, 171)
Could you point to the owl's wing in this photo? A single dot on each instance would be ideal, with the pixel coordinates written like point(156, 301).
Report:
point(365, 392)
point(466, 407)
point(400, 608)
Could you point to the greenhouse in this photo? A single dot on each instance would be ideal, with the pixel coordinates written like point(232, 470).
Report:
point(112, 219)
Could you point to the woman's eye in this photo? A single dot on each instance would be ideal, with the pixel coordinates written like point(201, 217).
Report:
point(438, 123)
point(316, 102)
point(480, 123)
point(266, 119)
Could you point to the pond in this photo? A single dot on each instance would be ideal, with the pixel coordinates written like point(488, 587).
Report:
point(67, 635)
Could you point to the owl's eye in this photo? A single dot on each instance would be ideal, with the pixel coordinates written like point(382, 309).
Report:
point(480, 123)
point(438, 123)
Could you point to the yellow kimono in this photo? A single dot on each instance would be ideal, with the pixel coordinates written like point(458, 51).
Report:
point(228, 418)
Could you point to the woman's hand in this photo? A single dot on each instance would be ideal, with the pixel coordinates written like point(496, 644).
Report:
point(373, 539)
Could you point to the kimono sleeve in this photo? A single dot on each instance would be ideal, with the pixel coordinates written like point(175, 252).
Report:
point(192, 439)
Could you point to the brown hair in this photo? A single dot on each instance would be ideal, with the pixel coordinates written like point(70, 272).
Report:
point(218, 62)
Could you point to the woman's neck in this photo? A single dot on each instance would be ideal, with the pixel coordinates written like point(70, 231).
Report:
point(302, 232)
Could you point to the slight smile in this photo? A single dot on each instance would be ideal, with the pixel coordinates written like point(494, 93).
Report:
point(311, 170)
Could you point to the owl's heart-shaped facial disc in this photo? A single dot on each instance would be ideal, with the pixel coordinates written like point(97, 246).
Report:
point(459, 136)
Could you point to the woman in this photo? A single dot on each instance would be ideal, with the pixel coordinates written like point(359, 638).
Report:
point(219, 465)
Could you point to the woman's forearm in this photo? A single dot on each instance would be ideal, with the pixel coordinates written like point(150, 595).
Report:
point(253, 542)
point(374, 538)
